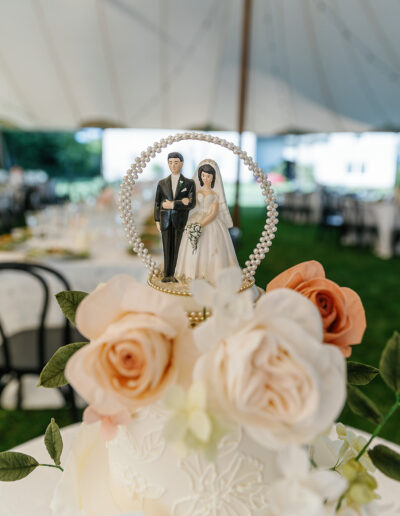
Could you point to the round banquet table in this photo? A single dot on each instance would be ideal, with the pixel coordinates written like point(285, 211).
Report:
point(31, 496)
point(84, 275)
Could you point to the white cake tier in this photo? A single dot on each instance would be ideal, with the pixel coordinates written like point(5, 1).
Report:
point(142, 473)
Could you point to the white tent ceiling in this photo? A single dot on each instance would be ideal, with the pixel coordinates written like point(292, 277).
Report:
point(315, 65)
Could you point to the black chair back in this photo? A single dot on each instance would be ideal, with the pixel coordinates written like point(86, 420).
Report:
point(8, 366)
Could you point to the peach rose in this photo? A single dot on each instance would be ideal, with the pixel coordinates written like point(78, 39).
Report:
point(273, 376)
point(139, 344)
point(341, 309)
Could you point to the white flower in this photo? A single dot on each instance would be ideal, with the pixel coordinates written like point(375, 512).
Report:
point(326, 453)
point(370, 509)
point(302, 491)
point(274, 375)
point(229, 307)
point(191, 426)
point(352, 446)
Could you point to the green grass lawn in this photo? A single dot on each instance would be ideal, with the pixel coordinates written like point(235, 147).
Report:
point(375, 280)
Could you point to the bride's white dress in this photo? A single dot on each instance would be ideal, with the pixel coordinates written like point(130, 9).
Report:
point(215, 250)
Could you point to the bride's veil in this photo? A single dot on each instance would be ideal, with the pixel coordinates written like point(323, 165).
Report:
point(223, 212)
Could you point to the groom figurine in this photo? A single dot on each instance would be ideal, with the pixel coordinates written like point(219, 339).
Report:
point(175, 197)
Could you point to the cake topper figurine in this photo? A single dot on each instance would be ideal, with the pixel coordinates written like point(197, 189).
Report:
point(206, 246)
point(175, 197)
point(196, 239)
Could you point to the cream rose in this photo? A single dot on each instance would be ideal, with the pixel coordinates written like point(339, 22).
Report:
point(274, 376)
point(140, 343)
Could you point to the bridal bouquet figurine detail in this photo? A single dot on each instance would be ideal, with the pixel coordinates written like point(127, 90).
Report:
point(193, 233)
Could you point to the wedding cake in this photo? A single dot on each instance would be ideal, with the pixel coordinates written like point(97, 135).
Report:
point(181, 421)
point(138, 471)
point(227, 415)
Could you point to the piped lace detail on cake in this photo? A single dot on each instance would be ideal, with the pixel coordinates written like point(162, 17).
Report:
point(232, 485)
point(236, 490)
point(151, 446)
point(139, 489)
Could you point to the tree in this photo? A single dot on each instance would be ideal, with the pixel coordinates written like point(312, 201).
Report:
point(59, 154)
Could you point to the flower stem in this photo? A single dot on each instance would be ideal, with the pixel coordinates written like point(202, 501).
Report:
point(52, 466)
point(388, 415)
point(339, 504)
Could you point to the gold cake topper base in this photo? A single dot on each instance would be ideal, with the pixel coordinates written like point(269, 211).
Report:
point(182, 288)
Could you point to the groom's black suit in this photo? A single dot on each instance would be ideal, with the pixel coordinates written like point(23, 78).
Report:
point(173, 222)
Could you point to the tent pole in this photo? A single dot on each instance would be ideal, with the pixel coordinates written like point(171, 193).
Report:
point(246, 27)
point(2, 164)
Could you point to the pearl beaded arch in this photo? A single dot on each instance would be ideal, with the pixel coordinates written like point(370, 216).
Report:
point(128, 183)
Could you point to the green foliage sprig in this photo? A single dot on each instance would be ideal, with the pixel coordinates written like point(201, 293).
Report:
point(69, 301)
point(52, 374)
point(383, 457)
point(16, 465)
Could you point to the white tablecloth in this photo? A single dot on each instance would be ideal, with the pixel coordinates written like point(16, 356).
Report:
point(31, 496)
point(21, 295)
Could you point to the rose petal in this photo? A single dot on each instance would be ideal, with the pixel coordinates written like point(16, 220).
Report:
point(97, 310)
point(90, 415)
point(144, 299)
point(84, 382)
point(353, 332)
point(281, 301)
point(293, 277)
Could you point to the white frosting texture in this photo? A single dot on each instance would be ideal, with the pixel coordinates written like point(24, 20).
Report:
point(138, 472)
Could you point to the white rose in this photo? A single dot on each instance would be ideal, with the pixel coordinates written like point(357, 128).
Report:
point(274, 375)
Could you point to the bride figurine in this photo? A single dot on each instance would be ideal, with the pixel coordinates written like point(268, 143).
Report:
point(213, 249)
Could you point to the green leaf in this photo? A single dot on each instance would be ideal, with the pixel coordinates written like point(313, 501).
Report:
point(386, 460)
point(52, 374)
point(53, 441)
point(361, 405)
point(360, 374)
point(69, 301)
point(390, 363)
point(15, 465)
